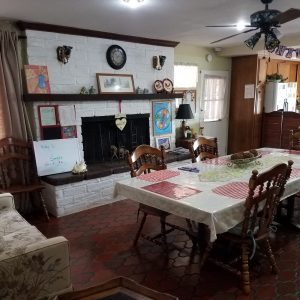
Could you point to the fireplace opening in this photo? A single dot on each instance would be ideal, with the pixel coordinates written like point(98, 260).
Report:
point(103, 141)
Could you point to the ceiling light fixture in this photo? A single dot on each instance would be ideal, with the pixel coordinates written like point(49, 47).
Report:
point(240, 25)
point(133, 3)
point(271, 40)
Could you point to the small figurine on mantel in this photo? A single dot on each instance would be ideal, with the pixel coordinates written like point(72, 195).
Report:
point(83, 91)
point(92, 90)
point(114, 152)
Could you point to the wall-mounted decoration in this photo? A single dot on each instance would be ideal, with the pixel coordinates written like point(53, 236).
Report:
point(49, 122)
point(63, 53)
point(68, 132)
point(163, 141)
point(48, 115)
point(162, 117)
point(121, 121)
point(115, 83)
point(158, 61)
point(158, 86)
point(189, 96)
point(168, 85)
point(37, 79)
point(116, 57)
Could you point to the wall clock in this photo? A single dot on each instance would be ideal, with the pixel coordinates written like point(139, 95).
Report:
point(116, 57)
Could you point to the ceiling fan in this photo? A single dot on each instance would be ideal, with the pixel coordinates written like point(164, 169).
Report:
point(266, 21)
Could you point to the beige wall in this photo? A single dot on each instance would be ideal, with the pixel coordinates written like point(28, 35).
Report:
point(194, 55)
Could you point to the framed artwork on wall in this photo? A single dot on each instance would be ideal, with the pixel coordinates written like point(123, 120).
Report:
point(163, 141)
point(37, 79)
point(162, 117)
point(68, 132)
point(115, 83)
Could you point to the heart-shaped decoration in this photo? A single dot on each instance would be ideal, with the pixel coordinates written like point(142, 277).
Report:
point(121, 123)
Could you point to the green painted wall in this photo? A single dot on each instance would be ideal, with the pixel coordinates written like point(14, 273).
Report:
point(195, 55)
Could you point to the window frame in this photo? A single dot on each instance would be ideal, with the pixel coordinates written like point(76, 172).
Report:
point(225, 75)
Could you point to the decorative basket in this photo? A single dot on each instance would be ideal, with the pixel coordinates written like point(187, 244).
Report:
point(244, 161)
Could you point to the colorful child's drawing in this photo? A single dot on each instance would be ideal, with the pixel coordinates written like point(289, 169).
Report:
point(37, 79)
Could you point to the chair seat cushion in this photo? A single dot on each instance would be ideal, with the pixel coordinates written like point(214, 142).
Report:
point(15, 243)
point(152, 211)
point(11, 221)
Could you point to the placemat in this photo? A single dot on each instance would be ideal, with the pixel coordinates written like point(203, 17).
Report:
point(171, 190)
point(236, 190)
point(295, 173)
point(159, 175)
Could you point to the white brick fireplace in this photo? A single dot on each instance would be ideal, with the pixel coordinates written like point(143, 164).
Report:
point(88, 57)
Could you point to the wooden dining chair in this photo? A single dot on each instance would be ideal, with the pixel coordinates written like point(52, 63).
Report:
point(285, 212)
point(18, 174)
point(294, 139)
point(144, 159)
point(203, 149)
point(265, 191)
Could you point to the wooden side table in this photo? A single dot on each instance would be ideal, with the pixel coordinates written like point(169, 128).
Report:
point(186, 142)
point(116, 289)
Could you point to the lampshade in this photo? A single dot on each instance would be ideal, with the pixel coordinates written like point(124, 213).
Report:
point(271, 41)
point(252, 41)
point(184, 112)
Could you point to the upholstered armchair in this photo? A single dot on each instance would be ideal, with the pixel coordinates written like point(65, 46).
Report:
point(31, 266)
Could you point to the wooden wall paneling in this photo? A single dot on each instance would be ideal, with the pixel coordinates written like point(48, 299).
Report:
point(293, 73)
point(284, 69)
point(272, 67)
point(241, 118)
point(262, 70)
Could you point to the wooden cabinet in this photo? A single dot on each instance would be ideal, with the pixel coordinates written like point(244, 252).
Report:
point(276, 128)
point(245, 114)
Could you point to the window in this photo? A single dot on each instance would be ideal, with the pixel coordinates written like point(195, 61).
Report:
point(185, 76)
point(185, 81)
point(214, 93)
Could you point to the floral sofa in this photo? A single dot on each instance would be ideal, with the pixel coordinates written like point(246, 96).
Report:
point(31, 266)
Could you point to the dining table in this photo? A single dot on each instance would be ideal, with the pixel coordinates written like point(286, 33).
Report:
point(212, 192)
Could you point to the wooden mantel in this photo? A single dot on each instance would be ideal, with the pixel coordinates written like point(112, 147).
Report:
point(97, 97)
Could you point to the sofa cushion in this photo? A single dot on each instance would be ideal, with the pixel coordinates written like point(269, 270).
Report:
point(15, 243)
point(11, 221)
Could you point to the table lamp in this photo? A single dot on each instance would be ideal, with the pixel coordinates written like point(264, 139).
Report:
point(184, 112)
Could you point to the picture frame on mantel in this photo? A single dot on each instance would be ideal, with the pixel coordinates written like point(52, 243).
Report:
point(115, 83)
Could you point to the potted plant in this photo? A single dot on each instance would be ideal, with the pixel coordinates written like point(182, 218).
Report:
point(275, 78)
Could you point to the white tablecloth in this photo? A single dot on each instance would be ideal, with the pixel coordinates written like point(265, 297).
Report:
point(208, 206)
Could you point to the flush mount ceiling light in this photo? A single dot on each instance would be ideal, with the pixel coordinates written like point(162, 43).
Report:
point(133, 3)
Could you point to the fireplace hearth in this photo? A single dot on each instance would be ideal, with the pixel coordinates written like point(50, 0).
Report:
point(103, 141)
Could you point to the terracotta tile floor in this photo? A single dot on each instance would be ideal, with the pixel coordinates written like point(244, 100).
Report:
point(101, 248)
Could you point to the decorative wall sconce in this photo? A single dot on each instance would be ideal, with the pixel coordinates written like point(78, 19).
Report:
point(158, 61)
point(63, 53)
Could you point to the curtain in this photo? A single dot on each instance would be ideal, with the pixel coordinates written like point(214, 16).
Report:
point(214, 97)
point(13, 118)
point(13, 115)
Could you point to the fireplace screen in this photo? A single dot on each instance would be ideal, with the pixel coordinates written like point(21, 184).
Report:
point(104, 141)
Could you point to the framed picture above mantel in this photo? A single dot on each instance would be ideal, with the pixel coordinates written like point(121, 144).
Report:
point(115, 83)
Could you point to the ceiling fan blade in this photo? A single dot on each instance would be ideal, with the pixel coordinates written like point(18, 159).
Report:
point(228, 26)
point(228, 37)
point(288, 15)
